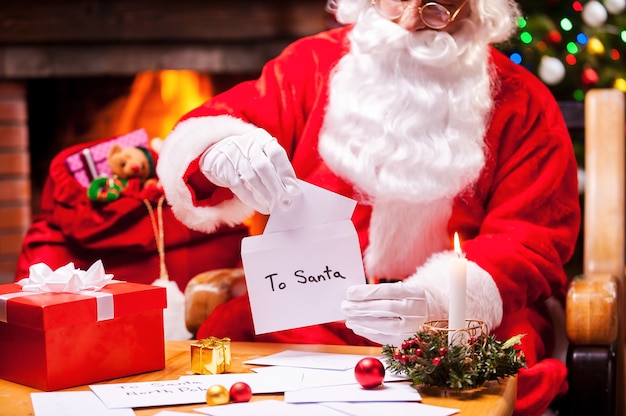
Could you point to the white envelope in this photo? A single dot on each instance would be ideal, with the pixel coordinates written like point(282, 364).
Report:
point(298, 271)
point(387, 392)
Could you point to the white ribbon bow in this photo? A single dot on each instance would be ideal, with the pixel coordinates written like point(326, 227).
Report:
point(67, 279)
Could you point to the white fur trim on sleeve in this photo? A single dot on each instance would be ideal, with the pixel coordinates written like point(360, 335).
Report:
point(188, 140)
point(483, 300)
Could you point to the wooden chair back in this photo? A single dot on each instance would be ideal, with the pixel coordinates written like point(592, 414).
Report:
point(603, 246)
point(594, 308)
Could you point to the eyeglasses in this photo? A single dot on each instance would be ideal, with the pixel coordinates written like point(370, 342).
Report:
point(434, 15)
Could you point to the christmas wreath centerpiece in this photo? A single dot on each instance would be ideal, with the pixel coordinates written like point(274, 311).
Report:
point(464, 362)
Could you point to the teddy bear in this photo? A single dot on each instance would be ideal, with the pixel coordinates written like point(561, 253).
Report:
point(132, 172)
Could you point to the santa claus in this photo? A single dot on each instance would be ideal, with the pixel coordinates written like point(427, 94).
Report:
point(408, 110)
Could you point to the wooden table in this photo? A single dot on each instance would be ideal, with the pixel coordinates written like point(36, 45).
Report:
point(495, 399)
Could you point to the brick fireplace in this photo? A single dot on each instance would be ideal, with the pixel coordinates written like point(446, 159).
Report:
point(83, 40)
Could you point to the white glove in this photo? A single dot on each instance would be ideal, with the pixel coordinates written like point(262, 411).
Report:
point(255, 168)
point(387, 313)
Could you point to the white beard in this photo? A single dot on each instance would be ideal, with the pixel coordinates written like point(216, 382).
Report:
point(405, 124)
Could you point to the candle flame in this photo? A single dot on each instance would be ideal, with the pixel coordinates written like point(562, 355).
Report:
point(457, 245)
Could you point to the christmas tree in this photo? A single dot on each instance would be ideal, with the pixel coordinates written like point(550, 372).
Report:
point(572, 46)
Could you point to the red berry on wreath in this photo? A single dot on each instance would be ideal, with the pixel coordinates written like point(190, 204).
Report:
point(369, 372)
point(240, 392)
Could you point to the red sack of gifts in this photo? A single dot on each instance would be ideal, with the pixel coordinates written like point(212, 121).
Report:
point(121, 233)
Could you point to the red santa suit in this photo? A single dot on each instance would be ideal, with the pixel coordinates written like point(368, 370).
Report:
point(519, 220)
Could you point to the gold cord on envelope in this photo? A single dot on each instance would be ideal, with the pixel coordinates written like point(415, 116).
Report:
point(157, 229)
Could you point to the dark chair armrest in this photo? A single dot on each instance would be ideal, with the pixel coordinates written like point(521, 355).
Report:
point(592, 375)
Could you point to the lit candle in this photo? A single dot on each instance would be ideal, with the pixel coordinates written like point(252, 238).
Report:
point(458, 277)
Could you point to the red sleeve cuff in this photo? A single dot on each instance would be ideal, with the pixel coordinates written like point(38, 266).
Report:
point(203, 191)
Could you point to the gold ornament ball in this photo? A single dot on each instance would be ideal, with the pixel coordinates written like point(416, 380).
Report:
point(595, 46)
point(216, 395)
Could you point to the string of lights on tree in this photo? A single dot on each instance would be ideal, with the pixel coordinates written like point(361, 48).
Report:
point(572, 46)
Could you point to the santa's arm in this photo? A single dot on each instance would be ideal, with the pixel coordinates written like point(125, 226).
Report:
point(195, 201)
point(526, 228)
point(269, 102)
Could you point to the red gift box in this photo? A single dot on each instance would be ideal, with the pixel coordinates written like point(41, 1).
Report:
point(52, 341)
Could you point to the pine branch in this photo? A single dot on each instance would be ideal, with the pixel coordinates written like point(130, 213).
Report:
point(427, 359)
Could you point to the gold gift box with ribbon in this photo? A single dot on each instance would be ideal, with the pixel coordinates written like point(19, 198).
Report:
point(210, 356)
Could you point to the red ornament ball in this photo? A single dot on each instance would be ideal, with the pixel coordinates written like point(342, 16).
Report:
point(240, 392)
point(369, 372)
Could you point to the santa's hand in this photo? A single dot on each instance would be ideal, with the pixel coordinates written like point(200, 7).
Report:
point(386, 313)
point(255, 168)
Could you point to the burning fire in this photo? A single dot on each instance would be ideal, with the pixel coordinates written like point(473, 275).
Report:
point(158, 99)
